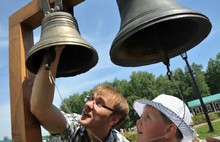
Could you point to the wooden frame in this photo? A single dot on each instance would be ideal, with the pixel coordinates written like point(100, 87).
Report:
point(24, 126)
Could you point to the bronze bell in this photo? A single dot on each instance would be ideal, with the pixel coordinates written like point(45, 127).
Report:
point(152, 31)
point(61, 28)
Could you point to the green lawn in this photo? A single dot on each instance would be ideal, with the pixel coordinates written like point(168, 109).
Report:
point(204, 131)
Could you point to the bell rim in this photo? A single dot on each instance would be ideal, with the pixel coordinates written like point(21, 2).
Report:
point(120, 38)
point(86, 66)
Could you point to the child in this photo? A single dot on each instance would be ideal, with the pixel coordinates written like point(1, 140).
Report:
point(166, 118)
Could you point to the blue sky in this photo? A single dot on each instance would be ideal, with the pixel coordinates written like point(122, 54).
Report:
point(99, 23)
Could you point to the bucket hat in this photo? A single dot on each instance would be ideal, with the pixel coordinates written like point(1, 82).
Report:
point(174, 108)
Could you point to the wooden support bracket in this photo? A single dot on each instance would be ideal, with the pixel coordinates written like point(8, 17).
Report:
point(25, 128)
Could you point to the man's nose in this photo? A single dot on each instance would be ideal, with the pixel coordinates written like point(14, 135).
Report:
point(90, 104)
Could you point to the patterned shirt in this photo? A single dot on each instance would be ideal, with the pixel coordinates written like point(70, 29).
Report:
point(77, 133)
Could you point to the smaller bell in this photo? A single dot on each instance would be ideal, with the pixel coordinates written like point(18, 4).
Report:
point(61, 29)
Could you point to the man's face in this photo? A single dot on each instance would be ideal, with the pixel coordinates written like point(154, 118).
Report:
point(96, 113)
point(151, 125)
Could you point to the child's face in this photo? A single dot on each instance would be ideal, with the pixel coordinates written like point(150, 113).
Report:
point(151, 125)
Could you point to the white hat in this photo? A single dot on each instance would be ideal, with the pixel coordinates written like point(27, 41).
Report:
point(173, 108)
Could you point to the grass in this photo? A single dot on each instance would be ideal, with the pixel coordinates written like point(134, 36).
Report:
point(204, 131)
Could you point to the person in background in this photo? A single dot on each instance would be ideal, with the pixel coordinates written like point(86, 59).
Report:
point(104, 109)
point(164, 119)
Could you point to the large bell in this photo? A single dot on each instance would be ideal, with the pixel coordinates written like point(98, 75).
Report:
point(153, 30)
point(61, 28)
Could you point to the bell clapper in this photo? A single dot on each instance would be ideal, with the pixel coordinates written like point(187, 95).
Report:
point(163, 55)
point(161, 49)
point(165, 59)
point(49, 57)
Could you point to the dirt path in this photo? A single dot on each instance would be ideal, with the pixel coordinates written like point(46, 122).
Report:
point(199, 125)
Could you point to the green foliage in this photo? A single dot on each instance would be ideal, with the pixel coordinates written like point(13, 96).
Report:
point(164, 85)
point(202, 119)
point(184, 84)
point(143, 85)
point(75, 103)
point(131, 136)
point(213, 74)
point(203, 131)
point(47, 138)
point(199, 119)
point(199, 77)
point(200, 80)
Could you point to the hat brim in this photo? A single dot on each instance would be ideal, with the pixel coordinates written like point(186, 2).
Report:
point(139, 105)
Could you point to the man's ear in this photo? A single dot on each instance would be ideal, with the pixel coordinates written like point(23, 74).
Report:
point(170, 131)
point(115, 119)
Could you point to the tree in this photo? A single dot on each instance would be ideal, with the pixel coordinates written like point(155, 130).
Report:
point(143, 85)
point(164, 85)
point(122, 86)
point(177, 86)
point(213, 74)
point(74, 104)
point(199, 76)
point(184, 84)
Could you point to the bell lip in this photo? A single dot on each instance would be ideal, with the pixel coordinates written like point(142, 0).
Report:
point(123, 35)
point(87, 66)
point(80, 70)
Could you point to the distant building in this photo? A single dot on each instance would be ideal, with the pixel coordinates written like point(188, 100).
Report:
point(212, 104)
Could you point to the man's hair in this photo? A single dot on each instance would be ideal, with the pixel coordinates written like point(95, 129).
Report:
point(114, 97)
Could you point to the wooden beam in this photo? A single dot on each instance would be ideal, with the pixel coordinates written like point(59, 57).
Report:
point(32, 14)
point(25, 127)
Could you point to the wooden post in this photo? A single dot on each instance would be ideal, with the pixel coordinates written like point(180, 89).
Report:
point(25, 127)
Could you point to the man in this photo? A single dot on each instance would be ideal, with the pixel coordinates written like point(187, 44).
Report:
point(164, 119)
point(105, 109)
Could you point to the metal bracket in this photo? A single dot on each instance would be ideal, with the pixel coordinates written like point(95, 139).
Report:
point(45, 6)
point(58, 6)
point(59, 3)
